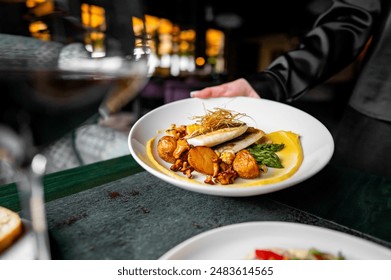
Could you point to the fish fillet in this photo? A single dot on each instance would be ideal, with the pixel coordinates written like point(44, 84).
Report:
point(217, 137)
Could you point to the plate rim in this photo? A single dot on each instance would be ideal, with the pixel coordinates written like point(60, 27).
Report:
point(168, 255)
point(224, 190)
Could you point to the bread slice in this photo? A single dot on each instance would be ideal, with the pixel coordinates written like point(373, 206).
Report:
point(11, 227)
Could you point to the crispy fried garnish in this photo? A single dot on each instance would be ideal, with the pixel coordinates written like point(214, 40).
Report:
point(217, 119)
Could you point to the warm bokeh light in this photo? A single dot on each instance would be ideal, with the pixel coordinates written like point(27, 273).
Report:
point(40, 7)
point(188, 35)
point(165, 26)
point(165, 44)
point(174, 47)
point(37, 26)
point(184, 47)
point(215, 42)
point(93, 16)
point(39, 30)
point(187, 41)
point(138, 25)
point(152, 23)
point(33, 3)
point(200, 61)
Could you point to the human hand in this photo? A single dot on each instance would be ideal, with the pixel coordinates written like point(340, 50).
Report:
point(239, 87)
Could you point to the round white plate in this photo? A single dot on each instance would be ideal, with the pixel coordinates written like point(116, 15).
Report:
point(316, 140)
point(237, 241)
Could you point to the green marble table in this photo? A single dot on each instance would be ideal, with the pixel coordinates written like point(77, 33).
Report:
point(116, 210)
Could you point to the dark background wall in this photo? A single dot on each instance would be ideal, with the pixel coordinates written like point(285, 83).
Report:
point(243, 22)
point(246, 24)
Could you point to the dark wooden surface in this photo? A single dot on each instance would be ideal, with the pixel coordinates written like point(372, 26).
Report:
point(116, 210)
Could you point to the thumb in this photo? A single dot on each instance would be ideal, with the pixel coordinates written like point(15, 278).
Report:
point(204, 93)
point(194, 93)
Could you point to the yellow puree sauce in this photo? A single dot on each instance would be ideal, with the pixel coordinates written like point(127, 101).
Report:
point(291, 158)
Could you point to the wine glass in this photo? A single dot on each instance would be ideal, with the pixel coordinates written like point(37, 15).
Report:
point(61, 62)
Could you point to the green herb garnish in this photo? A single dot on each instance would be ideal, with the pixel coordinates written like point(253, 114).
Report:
point(265, 154)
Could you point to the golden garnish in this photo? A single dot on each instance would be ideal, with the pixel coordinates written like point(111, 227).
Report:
point(217, 119)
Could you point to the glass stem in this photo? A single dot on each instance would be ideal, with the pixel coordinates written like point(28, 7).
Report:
point(38, 213)
point(32, 199)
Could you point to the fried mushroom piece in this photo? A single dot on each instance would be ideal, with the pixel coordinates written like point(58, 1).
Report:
point(203, 159)
point(181, 147)
point(176, 131)
point(245, 165)
point(226, 177)
point(166, 147)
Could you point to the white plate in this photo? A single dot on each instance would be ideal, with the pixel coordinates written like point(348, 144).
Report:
point(316, 140)
point(236, 242)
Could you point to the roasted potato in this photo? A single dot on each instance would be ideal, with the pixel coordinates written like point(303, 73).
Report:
point(166, 147)
point(203, 159)
point(245, 165)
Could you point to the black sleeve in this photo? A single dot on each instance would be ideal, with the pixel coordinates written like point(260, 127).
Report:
point(336, 40)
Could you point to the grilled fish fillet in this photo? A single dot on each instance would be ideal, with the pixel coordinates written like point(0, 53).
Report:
point(217, 137)
point(237, 144)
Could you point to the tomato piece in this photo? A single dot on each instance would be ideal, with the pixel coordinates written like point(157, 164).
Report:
point(267, 255)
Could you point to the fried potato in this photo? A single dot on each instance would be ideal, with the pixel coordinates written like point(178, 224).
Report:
point(245, 165)
point(166, 147)
point(202, 159)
